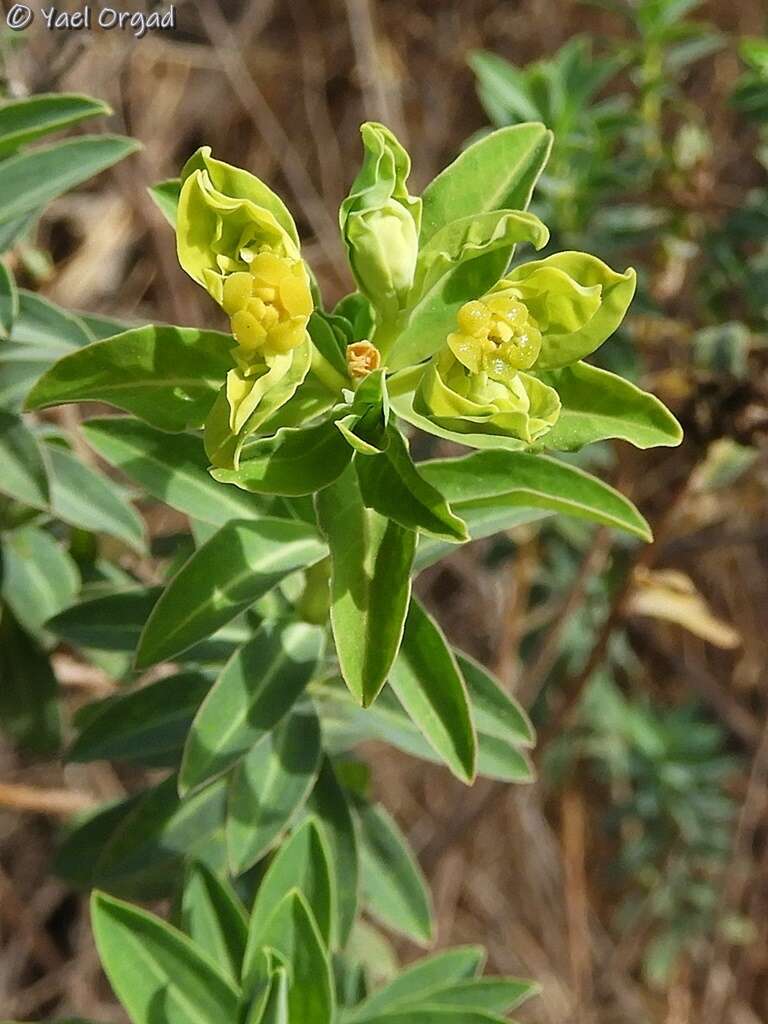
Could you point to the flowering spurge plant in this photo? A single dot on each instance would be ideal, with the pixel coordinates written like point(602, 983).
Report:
point(291, 627)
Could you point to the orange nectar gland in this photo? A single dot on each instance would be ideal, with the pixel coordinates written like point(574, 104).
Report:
point(362, 358)
point(497, 329)
point(268, 305)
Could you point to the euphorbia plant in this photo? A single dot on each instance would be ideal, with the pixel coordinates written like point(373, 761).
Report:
point(287, 442)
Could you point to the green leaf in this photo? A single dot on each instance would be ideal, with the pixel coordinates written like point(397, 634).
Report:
point(215, 919)
point(32, 179)
point(167, 376)
point(294, 461)
point(150, 846)
point(112, 622)
point(496, 173)
point(39, 577)
point(482, 522)
point(597, 405)
point(419, 979)
point(430, 686)
point(493, 995)
point(303, 862)
point(83, 840)
point(269, 786)
point(87, 499)
point(256, 689)
point(155, 971)
point(9, 302)
point(24, 476)
point(328, 803)
point(394, 889)
point(496, 480)
point(436, 1014)
point(239, 564)
point(165, 196)
point(292, 934)
point(496, 713)
point(173, 468)
point(29, 709)
point(392, 485)
point(23, 120)
point(148, 726)
point(272, 1007)
point(371, 560)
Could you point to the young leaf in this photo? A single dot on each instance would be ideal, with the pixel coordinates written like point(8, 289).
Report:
point(597, 405)
point(303, 862)
point(430, 686)
point(167, 376)
point(173, 468)
point(27, 119)
point(29, 709)
point(214, 918)
point(328, 803)
point(148, 726)
point(39, 576)
point(371, 560)
point(269, 786)
point(391, 484)
point(294, 461)
point(239, 564)
point(155, 969)
point(165, 196)
point(24, 475)
point(30, 180)
point(497, 480)
point(394, 889)
point(87, 499)
point(256, 689)
point(292, 934)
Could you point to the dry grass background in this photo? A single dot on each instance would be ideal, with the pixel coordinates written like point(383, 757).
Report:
point(280, 88)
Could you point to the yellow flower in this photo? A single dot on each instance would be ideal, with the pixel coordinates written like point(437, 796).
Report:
point(497, 336)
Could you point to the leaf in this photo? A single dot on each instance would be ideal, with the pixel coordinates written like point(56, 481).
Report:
point(88, 500)
point(482, 522)
point(292, 933)
point(39, 577)
point(492, 995)
point(29, 709)
point(496, 173)
point(328, 803)
point(303, 862)
point(496, 713)
point(24, 120)
point(167, 376)
point(156, 972)
point(112, 622)
point(294, 461)
point(9, 301)
point(394, 889)
point(148, 726)
point(371, 560)
point(436, 1014)
point(272, 1007)
point(429, 684)
point(239, 564)
point(392, 485)
point(173, 468)
point(24, 476)
point(419, 979)
point(32, 179)
point(256, 689)
point(497, 480)
point(165, 196)
point(270, 785)
point(215, 919)
point(597, 405)
point(143, 856)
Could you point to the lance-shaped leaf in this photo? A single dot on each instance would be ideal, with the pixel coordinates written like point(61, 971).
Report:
point(303, 862)
point(328, 803)
point(497, 480)
point(431, 688)
point(291, 933)
point(489, 995)
point(154, 968)
point(257, 687)
point(294, 461)
point(371, 559)
point(238, 565)
point(214, 918)
point(39, 576)
point(165, 196)
point(597, 405)
point(9, 302)
point(269, 786)
point(498, 172)
point(29, 709)
point(394, 889)
point(30, 180)
point(24, 476)
point(391, 484)
point(167, 376)
point(27, 119)
point(496, 712)
point(173, 469)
